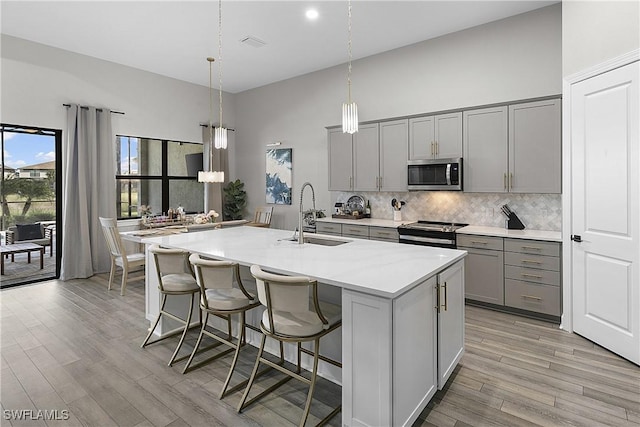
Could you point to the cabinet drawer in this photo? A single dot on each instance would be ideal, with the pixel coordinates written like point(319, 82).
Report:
point(532, 275)
point(532, 297)
point(355, 230)
point(532, 261)
point(480, 242)
point(532, 247)
point(328, 228)
point(383, 233)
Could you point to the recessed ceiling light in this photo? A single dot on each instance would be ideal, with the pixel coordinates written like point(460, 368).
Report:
point(312, 14)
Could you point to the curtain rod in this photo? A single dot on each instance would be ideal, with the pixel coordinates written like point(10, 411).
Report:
point(206, 125)
point(98, 109)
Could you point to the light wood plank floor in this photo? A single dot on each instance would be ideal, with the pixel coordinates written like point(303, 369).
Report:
point(73, 346)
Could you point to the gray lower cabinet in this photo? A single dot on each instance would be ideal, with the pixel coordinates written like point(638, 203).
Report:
point(387, 234)
point(329, 228)
point(516, 273)
point(532, 276)
point(484, 272)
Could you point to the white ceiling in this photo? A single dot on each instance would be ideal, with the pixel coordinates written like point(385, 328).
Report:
point(173, 38)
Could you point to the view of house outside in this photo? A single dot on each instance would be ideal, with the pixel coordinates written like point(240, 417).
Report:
point(28, 178)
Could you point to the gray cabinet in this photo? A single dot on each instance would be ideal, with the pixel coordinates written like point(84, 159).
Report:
point(329, 228)
point(353, 159)
point(513, 149)
point(366, 158)
point(484, 272)
point(340, 160)
point(532, 276)
point(387, 234)
point(450, 302)
point(485, 150)
point(372, 159)
point(535, 147)
point(393, 155)
point(515, 273)
point(435, 137)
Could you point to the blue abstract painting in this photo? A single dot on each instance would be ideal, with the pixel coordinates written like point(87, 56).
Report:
point(279, 176)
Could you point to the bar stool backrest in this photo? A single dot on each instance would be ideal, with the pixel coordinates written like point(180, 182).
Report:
point(170, 261)
point(214, 274)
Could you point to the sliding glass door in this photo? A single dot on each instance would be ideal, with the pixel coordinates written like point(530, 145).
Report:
point(29, 190)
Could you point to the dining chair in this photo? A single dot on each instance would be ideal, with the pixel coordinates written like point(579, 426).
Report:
point(119, 256)
point(293, 314)
point(219, 297)
point(175, 278)
point(262, 217)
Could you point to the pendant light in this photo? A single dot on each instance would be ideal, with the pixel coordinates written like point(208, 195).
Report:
point(210, 176)
point(221, 132)
point(350, 108)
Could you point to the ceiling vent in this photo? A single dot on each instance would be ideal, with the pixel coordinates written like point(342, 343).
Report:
point(252, 41)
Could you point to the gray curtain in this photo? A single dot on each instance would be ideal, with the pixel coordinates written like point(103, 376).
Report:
point(88, 191)
point(213, 194)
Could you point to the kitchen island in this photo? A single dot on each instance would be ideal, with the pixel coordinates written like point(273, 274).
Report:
point(402, 310)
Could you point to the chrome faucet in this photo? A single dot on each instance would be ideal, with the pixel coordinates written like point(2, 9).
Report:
point(301, 214)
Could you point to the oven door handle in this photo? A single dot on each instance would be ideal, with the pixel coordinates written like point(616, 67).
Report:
point(448, 173)
point(426, 239)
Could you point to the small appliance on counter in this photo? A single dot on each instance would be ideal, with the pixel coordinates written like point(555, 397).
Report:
point(513, 222)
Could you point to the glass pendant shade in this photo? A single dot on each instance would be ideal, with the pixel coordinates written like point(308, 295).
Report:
point(350, 118)
point(210, 176)
point(220, 137)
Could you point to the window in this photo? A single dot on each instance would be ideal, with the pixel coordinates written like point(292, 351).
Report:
point(159, 174)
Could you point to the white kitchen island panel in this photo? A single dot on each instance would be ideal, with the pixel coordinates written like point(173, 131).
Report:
point(389, 293)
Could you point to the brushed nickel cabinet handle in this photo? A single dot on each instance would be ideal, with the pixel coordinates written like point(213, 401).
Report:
point(531, 297)
point(432, 151)
point(530, 261)
point(437, 148)
point(475, 242)
point(511, 181)
point(445, 296)
point(532, 248)
point(535, 276)
point(380, 183)
point(504, 180)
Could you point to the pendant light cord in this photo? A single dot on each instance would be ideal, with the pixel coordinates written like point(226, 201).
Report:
point(350, 55)
point(220, 56)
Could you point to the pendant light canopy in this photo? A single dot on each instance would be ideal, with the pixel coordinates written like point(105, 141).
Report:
point(210, 176)
point(349, 108)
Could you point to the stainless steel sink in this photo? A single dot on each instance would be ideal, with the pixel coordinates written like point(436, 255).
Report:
point(316, 240)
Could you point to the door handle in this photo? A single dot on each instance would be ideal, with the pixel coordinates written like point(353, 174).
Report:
point(432, 150)
point(504, 180)
point(576, 238)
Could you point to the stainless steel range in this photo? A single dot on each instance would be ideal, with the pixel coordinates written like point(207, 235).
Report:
point(430, 233)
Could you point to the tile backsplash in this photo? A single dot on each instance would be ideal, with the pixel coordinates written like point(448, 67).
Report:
point(537, 211)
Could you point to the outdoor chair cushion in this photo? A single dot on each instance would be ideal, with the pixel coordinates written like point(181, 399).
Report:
point(29, 232)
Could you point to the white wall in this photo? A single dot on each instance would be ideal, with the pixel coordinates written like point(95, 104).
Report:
point(595, 31)
point(37, 79)
point(515, 58)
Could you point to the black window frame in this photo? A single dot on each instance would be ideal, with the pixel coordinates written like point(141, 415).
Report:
point(164, 178)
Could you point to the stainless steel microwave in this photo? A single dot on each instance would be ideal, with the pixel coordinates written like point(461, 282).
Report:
point(436, 174)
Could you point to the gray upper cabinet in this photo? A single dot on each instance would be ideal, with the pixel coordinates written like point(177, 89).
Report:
point(366, 158)
point(340, 160)
point(485, 150)
point(393, 155)
point(513, 149)
point(372, 159)
point(535, 147)
point(435, 137)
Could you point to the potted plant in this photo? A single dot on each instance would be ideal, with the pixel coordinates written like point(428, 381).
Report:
point(235, 200)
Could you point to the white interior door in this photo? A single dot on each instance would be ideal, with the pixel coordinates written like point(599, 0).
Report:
point(605, 210)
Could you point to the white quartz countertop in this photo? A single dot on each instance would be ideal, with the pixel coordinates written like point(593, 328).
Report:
point(384, 269)
point(371, 222)
point(551, 236)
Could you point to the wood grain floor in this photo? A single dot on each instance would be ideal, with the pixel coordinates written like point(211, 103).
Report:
point(71, 346)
